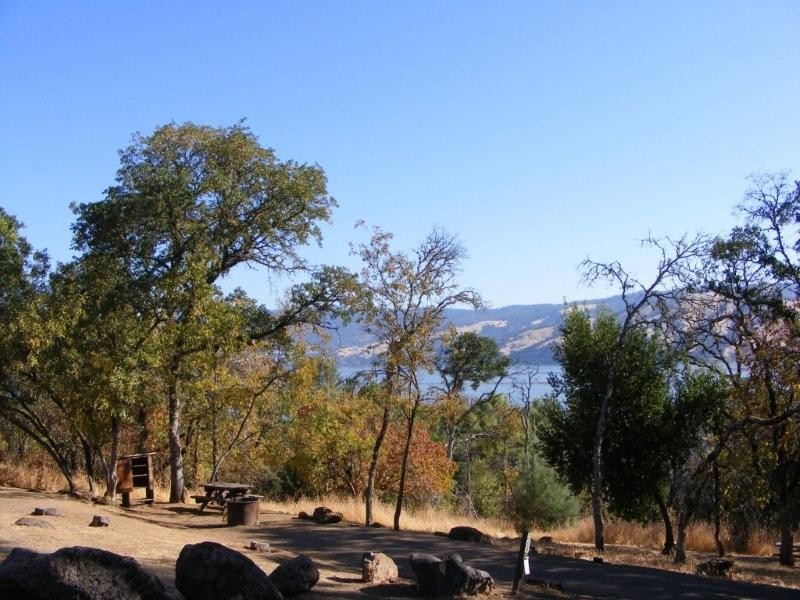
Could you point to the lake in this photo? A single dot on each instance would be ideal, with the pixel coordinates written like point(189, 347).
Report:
point(427, 380)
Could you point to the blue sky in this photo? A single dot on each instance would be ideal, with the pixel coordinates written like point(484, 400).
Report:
point(540, 133)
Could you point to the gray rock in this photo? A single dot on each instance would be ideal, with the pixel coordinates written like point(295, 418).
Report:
point(31, 522)
point(79, 573)
point(99, 521)
point(48, 512)
point(716, 567)
point(448, 576)
point(377, 567)
point(259, 546)
point(469, 534)
point(296, 576)
point(210, 571)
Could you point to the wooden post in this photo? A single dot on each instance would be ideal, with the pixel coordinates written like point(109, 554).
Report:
point(523, 566)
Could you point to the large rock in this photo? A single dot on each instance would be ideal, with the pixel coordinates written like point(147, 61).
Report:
point(376, 567)
point(210, 571)
point(324, 515)
point(76, 573)
point(469, 534)
point(296, 576)
point(448, 576)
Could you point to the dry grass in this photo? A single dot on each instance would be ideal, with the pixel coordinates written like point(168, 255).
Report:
point(36, 475)
point(699, 536)
point(425, 520)
point(42, 475)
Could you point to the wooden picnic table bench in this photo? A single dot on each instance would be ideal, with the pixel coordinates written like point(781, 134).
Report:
point(218, 492)
point(795, 548)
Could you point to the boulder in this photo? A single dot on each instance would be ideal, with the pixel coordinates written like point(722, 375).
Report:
point(716, 567)
point(99, 521)
point(469, 534)
point(546, 539)
point(324, 515)
point(210, 571)
point(448, 576)
point(31, 522)
point(376, 567)
point(81, 573)
point(304, 515)
point(296, 576)
point(47, 512)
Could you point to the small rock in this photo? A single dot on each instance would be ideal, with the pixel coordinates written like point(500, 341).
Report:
point(296, 576)
point(378, 568)
point(377, 525)
point(99, 521)
point(544, 583)
point(47, 512)
point(716, 567)
point(546, 539)
point(469, 534)
point(29, 522)
point(597, 559)
point(304, 515)
point(259, 546)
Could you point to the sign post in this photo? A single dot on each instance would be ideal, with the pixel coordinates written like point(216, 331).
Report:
point(523, 561)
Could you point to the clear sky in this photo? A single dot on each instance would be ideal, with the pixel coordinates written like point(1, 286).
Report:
point(539, 132)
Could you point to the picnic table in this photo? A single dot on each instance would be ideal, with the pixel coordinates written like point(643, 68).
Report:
point(795, 549)
point(218, 492)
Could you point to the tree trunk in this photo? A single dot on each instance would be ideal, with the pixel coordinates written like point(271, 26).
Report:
point(111, 465)
point(597, 462)
point(373, 465)
point(684, 516)
point(404, 464)
point(214, 447)
point(717, 541)
point(786, 552)
point(177, 491)
point(669, 541)
point(88, 465)
point(450, 441)
point(143, 438)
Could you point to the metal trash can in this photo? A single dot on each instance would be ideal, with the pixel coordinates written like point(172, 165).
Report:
point(242, 510)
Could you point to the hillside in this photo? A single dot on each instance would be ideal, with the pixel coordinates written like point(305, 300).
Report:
point(526, 332)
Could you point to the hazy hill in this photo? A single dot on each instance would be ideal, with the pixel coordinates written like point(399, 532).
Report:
point(526, 332)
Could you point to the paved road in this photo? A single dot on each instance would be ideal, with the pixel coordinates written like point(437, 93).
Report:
point(343, 545)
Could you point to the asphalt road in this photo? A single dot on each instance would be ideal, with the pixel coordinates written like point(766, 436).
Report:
point(343, 545)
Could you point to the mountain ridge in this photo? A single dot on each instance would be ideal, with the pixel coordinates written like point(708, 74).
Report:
point(525, 332)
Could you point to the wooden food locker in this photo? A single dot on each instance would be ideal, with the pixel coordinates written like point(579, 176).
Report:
point(135, 471)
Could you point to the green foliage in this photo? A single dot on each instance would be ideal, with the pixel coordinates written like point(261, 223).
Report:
point(635, 448)
point(471, 359)
point(540, 499)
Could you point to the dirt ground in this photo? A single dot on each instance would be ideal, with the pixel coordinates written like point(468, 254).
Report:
point(155, 535)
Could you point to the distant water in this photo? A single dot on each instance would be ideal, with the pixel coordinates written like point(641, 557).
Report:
point(428, 380)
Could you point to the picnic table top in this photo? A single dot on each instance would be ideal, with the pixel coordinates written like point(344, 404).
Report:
point(226, 486)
